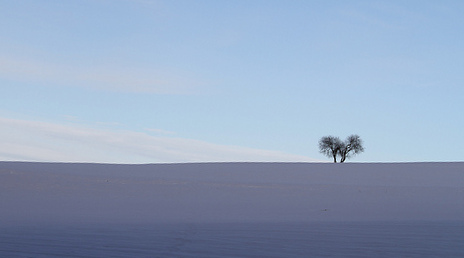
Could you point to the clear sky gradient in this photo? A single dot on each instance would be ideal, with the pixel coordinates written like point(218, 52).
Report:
point(141, 81)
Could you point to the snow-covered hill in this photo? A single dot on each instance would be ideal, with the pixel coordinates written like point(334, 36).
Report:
point(230, 192)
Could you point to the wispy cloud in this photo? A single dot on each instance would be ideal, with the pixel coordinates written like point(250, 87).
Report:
point(42, 141)
point(111, 77)
point(159, 131)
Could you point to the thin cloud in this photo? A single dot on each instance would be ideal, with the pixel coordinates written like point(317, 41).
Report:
point(160, 131)
point(41, 141)
point(111, 77)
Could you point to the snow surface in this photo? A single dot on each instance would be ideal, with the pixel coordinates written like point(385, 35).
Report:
point(229, 192)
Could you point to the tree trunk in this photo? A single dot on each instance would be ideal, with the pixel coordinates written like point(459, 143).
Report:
point(343, 158)
point(335, 158)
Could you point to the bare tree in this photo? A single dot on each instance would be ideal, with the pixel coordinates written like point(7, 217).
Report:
point(352, 146)
point(332, 147)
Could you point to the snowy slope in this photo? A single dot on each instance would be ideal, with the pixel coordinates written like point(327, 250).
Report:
point(230, 192)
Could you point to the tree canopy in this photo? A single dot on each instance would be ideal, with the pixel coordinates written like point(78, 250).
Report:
point(332, 146)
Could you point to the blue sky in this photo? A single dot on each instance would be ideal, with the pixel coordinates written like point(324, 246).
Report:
point(139, 81)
